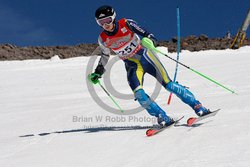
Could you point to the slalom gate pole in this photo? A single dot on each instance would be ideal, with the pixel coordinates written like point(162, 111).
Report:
point(178, 48)
point(113, 100)
point(146, 42)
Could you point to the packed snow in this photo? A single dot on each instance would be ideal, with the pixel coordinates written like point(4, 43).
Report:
point(49, 119)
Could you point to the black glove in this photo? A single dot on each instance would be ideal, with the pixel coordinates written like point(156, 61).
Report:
point(94, 77)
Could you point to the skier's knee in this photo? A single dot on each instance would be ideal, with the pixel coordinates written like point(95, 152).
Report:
point(142, 98)
point(180, 91)
point(173, 87)
point(140, 94)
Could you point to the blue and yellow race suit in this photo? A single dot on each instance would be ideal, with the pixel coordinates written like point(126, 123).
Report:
point(125, 42)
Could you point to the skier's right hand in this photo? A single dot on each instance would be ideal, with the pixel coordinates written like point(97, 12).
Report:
point(94, 77)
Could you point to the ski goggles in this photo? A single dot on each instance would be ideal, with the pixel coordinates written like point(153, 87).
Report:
point(106, 20)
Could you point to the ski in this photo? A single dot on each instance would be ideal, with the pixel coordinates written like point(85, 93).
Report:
point(191, 121)
point(154, 131)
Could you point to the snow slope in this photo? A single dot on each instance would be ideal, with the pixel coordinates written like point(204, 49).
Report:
point(48, 118)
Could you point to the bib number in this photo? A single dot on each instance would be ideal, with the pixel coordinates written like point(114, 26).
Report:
point(128, 49)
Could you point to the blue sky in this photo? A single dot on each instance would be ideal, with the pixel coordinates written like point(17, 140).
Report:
point(70, 22)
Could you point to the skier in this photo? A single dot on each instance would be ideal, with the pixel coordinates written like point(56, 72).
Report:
point(121, 36)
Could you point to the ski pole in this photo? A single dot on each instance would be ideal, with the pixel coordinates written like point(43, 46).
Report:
point(99, 83)
point(146, 42)
point(178, 48)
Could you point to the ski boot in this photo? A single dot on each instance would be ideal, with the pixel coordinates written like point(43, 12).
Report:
point(200, 110)
point(165, 122)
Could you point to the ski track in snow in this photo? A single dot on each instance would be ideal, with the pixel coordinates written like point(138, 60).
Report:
point(39, 99)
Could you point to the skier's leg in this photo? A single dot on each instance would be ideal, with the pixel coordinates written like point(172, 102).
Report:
point(155, 67)
point(152, 108)
point(135, 74)
point(158, 71)
point(187, 97)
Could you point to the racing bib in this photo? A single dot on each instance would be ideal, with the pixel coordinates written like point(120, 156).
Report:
point(125, 43)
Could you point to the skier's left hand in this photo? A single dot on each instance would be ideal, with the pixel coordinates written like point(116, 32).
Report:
point(154, 40)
